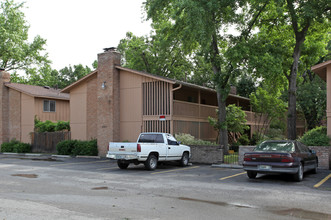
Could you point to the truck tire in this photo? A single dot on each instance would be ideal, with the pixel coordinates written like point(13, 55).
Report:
point(151, 162)
point(185, 159)
point(122, 164)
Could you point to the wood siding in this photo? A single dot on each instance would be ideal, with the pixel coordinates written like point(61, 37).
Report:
point(62, 110)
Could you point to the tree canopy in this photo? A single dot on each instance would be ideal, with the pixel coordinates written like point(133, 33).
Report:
point(16, 52)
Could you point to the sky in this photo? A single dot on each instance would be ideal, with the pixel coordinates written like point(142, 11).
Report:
point(77, 30)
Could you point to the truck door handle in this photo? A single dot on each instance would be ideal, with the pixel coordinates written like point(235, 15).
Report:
point(169, 147)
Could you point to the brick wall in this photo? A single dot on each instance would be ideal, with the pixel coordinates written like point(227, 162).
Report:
point(323, 153)
point(91, 115)
point(324, 156)
point(14, 124)
point(108, 100)
point(4, 107)
point(206, 154)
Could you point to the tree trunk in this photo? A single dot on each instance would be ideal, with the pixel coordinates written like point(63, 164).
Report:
point(223, 133)
point(291, 113)
point(292, 78)
point(292, 87)
point(221, 83)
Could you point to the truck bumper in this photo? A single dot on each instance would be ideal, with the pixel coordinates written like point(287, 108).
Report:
point(121, 156)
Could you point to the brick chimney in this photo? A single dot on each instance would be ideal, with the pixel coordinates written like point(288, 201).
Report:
point(108, 95)
point(4, 106)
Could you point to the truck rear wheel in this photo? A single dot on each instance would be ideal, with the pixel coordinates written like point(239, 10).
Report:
point(122, 164)
point(151, 162)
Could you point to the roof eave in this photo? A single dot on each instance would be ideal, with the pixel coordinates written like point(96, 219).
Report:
point(33, 95)
point(68, 88)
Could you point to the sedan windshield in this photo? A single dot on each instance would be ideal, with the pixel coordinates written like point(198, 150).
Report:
point(276, 146)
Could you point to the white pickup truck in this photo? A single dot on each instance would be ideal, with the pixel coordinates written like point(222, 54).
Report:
point(149, 149)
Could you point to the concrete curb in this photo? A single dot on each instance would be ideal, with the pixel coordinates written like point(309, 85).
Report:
point(60, 156)
point(92, 157)
point(232, 166)
point(23, 154)
point(47, 155)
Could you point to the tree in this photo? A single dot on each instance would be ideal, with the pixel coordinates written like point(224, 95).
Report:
point(246, 85)
point(235, 121)
point(46, 76)
point(267, 107)
point(292, 36)
point(16, 53)
point(311, 97)
point(304, 15)
point(201, 25)
point(156, 54)
point(69, 75)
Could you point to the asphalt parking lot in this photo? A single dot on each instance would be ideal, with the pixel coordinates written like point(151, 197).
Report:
point(91, 188)
point(194, 172)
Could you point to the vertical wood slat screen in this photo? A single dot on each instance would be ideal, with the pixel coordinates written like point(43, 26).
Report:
point(156, 98)
point(157, 126)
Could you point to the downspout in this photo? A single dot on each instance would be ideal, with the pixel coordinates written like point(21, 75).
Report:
point(179, 87)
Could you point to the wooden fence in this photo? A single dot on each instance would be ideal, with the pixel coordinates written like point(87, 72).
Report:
point(45, 142)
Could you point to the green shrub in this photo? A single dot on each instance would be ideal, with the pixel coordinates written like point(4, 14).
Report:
point(22, 148)
point(66, 147)
point(243, 140)
point(255, 140)
point(316, 137)
point(188, 139)
point(76, 147)
point(49, 126)
point(14, 146)
point(88, 148)
point(275, 134)
point(62, 125)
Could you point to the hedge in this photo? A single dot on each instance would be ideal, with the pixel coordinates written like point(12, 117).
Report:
point(15, 146)
point(76, 147)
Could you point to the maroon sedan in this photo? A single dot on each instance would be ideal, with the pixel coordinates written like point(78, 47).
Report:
point(291, 157)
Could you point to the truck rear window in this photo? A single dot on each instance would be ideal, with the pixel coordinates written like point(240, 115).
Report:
point(151, 138)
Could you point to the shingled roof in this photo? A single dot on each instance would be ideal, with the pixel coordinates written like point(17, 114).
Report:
point(39, 91)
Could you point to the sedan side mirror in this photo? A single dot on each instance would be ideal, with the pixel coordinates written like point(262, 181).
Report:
point(312, 151)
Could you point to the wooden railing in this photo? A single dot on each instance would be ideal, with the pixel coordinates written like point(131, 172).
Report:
point(199, 111)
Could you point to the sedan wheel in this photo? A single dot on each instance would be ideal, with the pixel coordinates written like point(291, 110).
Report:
point(251, 174)
point(299, 175)
point(315, 167)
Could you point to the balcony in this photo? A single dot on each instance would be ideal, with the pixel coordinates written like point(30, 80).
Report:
point(187, 111)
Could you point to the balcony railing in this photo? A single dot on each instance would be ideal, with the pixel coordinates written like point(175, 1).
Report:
point(201, 112)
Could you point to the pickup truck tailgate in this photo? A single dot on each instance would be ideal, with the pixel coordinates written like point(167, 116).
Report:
point(122, 151)
point(122, 147)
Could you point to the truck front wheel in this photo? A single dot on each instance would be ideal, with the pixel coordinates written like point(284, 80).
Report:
point(151, 162)
point(122, 164)
point(184, 160)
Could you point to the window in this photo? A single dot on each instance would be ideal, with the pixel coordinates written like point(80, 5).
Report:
point(151, 138)
point(49, 106)
point(171, 140)
point(275, 146)
point(303, 148)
